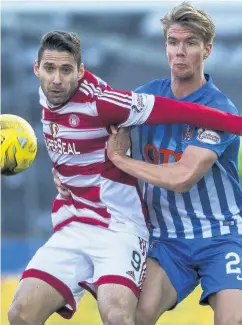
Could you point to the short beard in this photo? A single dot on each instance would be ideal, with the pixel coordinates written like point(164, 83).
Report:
point(186, 77)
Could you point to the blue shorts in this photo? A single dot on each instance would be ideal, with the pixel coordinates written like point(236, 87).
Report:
point(215, 262)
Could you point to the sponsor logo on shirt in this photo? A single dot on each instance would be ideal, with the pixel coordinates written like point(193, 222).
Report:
point(139, 102)
point(208, 136)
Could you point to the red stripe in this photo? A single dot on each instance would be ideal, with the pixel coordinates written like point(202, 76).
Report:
point(112, 113)
point(67, 146)
point(61, 287)
point(87, 220)
point(117, 279)
point(113, 173)
point(85, 286)
point(83, 121)
point(79, 205)
point(92, 169)
point(88, 193)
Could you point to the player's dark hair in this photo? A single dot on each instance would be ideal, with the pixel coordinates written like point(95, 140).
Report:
point(195, 19)
point(61, 41)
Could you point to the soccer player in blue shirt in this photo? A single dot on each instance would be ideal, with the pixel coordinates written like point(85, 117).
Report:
point(191, 187)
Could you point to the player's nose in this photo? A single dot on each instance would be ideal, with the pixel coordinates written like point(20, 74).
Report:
point(57, 78)
point(180, 49)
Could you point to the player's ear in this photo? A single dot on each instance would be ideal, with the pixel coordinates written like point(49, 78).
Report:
point(36, 68)
point(81, 71)
point(207, 51)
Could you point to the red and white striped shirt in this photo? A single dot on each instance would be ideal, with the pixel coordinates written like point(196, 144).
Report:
point(76, 136)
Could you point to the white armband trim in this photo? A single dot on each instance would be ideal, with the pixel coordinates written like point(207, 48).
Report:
point(141, 107)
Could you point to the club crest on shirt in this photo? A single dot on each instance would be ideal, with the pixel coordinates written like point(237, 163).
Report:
point(74, 120)
point(54, 129)
point(188, 132)
point(208, 136)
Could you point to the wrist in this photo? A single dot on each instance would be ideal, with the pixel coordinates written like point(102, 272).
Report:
point(117, 159)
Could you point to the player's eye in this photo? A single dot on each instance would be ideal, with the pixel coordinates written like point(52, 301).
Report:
point(66, 70)
point(172, 42)
point(49, 68)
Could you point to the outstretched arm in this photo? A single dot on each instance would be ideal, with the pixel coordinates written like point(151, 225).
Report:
point(128, 108)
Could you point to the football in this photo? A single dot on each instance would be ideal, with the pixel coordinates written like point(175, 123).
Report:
point(18, 144)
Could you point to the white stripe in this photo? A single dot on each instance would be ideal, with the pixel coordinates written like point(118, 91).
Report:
point(197, 207)
point(238, 218)
point(186, 221)
point(78, 134)
point(96, 90)
point(214, 202)
point(92, 204)
point(81, 180)
point(168, 219)
point(83, 159)
point(119, 94)
point(233, 207)
point(114, 102)
point(83, 90)
point(123, 100)
point(88, 88)
point(70, 107)
point(66, 212)
point(109, 94)
point(152, 214)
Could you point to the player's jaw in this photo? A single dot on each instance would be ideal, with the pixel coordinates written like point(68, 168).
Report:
point(59, 95)
point(182, 71)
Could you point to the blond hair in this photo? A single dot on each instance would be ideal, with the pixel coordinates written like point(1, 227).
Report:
point(192, 18)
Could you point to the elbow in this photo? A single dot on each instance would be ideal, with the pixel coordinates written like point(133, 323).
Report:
point(183, 187)
point(182, 184)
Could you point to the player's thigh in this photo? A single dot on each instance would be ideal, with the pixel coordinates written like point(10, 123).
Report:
point(117, 304)
point(35, 300)
point(61, 264)
point(157, 295)
point(227, 307)
point(220, 266)
point(123, 262)
point(169, 278)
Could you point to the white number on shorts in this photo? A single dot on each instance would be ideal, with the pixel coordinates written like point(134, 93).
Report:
point(235, 260)
point(136, 260)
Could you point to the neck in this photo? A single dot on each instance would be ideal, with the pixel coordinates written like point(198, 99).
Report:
point(184, 87)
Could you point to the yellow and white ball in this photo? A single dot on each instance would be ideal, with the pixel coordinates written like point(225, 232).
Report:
point(18, 144)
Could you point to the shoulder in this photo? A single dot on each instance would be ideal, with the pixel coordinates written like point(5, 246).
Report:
point(153, 86)
point(217, 99)
point(89, 87)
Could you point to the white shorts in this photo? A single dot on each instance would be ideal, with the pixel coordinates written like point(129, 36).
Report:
point(81, 256)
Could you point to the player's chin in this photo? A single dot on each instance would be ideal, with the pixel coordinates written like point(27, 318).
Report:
point(182, 75)
point(56, 100)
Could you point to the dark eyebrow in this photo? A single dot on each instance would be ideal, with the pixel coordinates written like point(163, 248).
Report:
point(48, 63)
point(189, 38)
point(67, 65)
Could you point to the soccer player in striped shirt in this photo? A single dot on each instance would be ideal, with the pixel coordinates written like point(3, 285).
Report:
point(100, 234)
point(191, 185)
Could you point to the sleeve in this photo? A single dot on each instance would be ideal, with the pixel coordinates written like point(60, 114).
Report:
point(126, 109)
point(216, 141)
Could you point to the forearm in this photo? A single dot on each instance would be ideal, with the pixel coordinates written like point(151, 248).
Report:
point(128, 109)
point(172, 176)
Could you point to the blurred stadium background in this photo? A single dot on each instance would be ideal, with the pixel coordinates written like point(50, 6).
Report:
point(123, 44)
